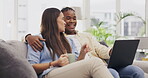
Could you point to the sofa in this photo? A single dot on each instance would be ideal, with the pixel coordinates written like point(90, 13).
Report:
point(13, 62)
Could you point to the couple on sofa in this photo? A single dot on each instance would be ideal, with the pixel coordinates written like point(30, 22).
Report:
point(47, 52)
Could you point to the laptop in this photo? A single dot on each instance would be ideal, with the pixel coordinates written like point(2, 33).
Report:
point(123, 53)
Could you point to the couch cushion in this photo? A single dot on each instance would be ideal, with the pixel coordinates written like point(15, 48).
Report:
point(12, 62)
point(19, 46)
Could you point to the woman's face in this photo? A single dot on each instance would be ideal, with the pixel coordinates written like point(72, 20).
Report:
point(61, 23)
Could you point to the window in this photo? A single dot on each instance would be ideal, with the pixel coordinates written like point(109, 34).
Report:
point(103, 10)
point(133, 25)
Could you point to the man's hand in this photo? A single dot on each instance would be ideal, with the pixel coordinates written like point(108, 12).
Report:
point(84, 49)
point(34, 42)
point(110, 52)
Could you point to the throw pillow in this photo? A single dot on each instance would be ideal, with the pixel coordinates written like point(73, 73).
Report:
point(12, 65)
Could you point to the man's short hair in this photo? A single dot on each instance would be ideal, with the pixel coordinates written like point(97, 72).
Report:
point(67, 9)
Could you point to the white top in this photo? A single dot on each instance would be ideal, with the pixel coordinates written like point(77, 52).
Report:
point(76, 42)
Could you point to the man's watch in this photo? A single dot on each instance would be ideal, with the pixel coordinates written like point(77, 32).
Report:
point(26, 37)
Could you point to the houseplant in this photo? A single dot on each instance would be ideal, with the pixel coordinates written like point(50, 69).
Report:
point(101, 33)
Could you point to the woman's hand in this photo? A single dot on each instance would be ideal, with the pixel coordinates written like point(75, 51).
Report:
point(62, 61)
point(84, 49)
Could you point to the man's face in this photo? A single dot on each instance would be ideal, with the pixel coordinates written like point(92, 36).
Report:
point(70, 19)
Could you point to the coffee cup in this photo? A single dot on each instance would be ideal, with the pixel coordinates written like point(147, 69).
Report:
point(71, 57)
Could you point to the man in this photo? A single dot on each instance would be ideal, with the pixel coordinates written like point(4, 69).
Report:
point(80, 39)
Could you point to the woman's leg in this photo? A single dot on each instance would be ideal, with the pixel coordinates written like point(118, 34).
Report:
point(88, 68)
point(131, 71)
point(114, 73)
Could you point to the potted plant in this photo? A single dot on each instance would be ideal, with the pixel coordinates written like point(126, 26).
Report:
point(101, 33)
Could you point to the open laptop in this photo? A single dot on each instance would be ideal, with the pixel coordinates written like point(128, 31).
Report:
point(123, 53)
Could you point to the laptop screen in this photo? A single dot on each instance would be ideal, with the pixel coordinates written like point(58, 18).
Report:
point(123, 53)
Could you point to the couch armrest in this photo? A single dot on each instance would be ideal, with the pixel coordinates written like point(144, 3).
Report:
point(142, 64)
point(20, 46)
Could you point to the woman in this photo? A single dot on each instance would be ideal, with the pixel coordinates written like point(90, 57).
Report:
point(52, 61)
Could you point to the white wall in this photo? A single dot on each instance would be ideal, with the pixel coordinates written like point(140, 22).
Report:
point(1, 18)
point(36, 8)
point(19, 17)
point(7, 19)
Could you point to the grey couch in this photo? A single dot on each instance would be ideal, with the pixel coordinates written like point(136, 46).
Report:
point(143, 65)
point(13, 62)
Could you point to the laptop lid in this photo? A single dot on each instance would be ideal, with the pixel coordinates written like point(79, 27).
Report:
point(123, 53)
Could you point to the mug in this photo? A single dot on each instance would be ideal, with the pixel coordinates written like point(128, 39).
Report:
point(71, 57)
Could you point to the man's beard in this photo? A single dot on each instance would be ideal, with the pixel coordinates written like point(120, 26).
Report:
point(68, 32)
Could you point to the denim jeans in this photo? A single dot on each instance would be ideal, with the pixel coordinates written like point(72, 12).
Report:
point(129, 71)
point(114, 73)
